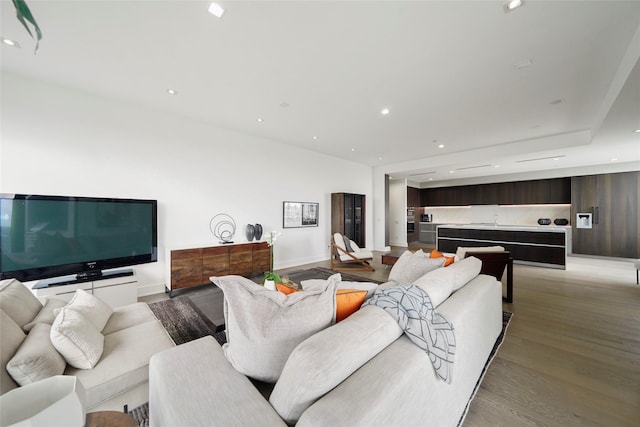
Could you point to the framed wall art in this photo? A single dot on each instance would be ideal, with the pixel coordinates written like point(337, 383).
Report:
point(300, 214)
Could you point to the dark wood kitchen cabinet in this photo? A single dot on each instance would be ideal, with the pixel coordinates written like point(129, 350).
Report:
point(613, 202)
point(413, 197)
point(348, 216)
point(540, 191)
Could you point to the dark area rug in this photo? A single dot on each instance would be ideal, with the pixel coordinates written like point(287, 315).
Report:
point(325, 273)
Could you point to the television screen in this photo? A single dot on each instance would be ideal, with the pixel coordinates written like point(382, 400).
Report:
point(49, 236)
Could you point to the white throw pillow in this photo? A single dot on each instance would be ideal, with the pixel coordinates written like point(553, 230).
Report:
point(36, 359)
point(263, 327)
point(412, 267)
point(92, 307)
point(76, 339)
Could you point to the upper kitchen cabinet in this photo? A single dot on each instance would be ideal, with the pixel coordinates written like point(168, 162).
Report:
point(541, 191)
point(612, 203)
point(413, 197)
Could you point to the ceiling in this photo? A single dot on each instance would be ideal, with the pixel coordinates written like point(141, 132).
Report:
point(503, 92)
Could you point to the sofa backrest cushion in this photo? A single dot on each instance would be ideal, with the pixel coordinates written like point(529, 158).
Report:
point(411, 266)
point(36, 359)
point(47, 313)
point(464, 271)
point(264, 326)
point(12, 337)
point(438, 284)
point(18, 302)
point(327, 358)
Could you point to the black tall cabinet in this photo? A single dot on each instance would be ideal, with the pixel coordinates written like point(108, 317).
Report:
point(614, 204)
point(348, 216)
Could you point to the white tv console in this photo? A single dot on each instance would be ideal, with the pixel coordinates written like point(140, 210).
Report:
point(115, 287)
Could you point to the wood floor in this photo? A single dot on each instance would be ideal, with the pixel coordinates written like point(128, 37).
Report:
point(571, 356)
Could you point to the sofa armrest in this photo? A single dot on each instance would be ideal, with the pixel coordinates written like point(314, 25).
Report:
point(193, 384)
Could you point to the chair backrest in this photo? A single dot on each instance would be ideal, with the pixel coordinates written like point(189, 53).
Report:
point(493, 263)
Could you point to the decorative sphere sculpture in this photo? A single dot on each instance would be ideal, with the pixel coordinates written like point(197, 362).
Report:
point(223, 227)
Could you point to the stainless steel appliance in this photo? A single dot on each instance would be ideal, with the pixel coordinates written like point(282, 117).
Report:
point(425, 217)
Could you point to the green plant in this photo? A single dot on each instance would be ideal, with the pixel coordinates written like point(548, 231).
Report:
point(270, 275)
point(24, 15)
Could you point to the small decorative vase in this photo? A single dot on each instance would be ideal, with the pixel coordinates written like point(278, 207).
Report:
point(257, 231)
point(250, 232)
point(270, 284)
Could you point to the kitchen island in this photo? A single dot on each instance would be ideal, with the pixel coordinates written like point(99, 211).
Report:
point(536, 245)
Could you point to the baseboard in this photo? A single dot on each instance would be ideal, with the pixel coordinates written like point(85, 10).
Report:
point(150, 289)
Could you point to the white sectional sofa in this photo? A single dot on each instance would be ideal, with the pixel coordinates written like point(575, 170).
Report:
point(131, 335)
point(362, 371)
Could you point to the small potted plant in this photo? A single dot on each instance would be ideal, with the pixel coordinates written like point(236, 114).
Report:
point(271, 278)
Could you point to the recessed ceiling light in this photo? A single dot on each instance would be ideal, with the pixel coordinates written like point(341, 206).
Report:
point(441, 146)
point(511, 5)
point(216, 10)
point(385, 111)
point(260, 120)
point(172, 92)
point(555, 159)
point(10, 42)
point(451, 171)
point(353, 149)
point(315, 137)
point(379, 158)
point(614, 159)
point(430, 179)
point(496, 166)
point(637, 131)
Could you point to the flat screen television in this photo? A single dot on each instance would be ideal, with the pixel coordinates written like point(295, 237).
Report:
point(49, 236)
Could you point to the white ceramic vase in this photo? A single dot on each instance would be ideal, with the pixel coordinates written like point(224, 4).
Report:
point(270, 284)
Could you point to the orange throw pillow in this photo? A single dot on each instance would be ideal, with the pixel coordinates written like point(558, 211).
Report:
point(285, 289)
point(348, 301)
point(448, 259)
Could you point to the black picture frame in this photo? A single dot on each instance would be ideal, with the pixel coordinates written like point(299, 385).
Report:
point(300, 214)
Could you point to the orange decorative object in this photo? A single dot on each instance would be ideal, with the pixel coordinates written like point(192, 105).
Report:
point(348, 301)
point(448, 259)
point(285, 289)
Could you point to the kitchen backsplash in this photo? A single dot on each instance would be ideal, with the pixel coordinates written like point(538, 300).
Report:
point(506, 215)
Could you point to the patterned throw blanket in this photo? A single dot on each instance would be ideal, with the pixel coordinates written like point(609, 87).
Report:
point(411, 307)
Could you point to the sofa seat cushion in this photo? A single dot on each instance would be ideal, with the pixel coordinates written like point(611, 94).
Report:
point(18, 302)
point(264, 326)
point(128, 315)
point(12, 337)
point(193, 384)
point(36, 359)
point(124, 363)
point(324, 360)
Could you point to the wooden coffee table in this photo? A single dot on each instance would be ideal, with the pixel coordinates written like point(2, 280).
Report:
point(390, 258)
point(110, 419)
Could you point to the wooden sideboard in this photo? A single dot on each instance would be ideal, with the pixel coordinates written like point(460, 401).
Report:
point(193, 266)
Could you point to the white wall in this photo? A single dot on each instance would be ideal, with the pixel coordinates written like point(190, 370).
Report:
point(398, 213)
point(62, 142)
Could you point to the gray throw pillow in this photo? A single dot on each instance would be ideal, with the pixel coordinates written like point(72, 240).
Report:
point(264, 326)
